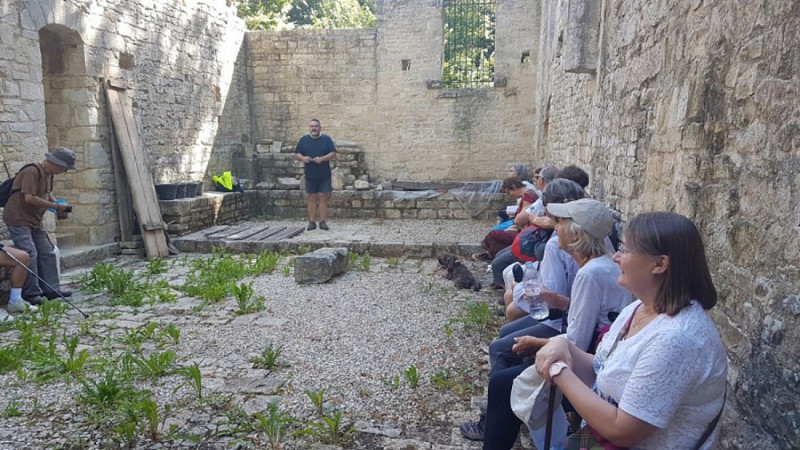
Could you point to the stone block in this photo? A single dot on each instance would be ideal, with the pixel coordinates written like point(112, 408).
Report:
point(320, 265)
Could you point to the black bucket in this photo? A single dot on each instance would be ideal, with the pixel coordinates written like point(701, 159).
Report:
point(191, 189)
point(166, 191)
point(180, 192)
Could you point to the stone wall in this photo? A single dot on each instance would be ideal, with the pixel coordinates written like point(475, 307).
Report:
point(177, 60)
point(692, 107)
point(193, 214)
point(354, 81)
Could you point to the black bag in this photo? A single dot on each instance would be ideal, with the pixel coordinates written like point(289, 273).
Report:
point(6, 187)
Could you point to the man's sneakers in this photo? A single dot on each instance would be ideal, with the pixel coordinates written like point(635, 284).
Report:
point(20, 306)
point(56, 294)
point(5, 317)
point(474, 431)
point(313, 226)
point(35, 300)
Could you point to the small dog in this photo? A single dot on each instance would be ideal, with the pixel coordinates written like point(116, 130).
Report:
point(459, 273)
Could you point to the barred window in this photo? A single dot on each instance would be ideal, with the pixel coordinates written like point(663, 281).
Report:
point(468, 43)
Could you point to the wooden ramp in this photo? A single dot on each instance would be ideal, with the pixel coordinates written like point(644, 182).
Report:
point(137, 171)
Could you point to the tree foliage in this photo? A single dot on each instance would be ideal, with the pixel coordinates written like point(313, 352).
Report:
point(271, 14)
point(469, 43)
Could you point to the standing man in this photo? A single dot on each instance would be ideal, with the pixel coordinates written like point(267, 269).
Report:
point(31, 196)
point(316, 150)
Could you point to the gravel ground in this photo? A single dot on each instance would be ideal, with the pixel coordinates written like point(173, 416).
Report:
point(355, 337)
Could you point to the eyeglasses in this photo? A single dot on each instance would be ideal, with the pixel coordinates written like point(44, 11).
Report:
point(537, 177)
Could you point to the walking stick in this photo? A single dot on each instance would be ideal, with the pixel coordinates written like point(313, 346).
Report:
point(551, 406)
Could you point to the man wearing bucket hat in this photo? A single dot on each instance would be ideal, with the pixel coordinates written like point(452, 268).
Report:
point(31, 197)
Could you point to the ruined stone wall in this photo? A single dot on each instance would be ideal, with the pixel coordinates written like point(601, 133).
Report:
point(305, 73)
point(692, 107)
point(177, 60)
point(355, 82)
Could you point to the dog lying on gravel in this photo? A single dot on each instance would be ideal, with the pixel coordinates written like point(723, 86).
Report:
point(458, 272)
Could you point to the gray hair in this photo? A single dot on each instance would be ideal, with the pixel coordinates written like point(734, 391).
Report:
point(522, 170)
point(549, 173)
point(562, 190)
point(585, 244)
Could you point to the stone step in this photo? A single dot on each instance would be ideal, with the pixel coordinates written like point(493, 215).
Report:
point(65, 240)
point(82, 255)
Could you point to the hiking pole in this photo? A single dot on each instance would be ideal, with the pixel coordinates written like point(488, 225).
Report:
point(52, 289)
point(551, 406)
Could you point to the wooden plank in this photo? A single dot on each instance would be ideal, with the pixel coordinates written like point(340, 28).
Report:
point(214, 229)
point(246, 234)
point(137, 170)
point(124, 207)
point(225, 233)
point(289, 232)
point(267, 233)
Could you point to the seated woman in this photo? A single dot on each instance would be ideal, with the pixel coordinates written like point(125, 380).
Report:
point(659, 375)
point(594, 294)
point(497, 240)
point(523, 172)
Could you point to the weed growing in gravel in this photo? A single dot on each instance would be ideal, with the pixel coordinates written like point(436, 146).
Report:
point(156, 266)
point(458, 383)
point(328, 429)
point(478, 316)
point(13, 409)
point(268, 359)
point(364, 263)
point(173, 333)
point(352, 257)
point(287, 270)
point(155, 365)
point(210, 279)
point(303, 249)
point(10, 359)
point(49, 313)
point(245, 300)
point(392, 382)
point(318, 399)
point(264, 262)
point(275, 424)
point(448, 330)
point(135, 337)
point(393, 262)
point(412, 376)
point(194, 378)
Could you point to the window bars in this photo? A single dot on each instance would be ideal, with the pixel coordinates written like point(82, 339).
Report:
point(468, 43)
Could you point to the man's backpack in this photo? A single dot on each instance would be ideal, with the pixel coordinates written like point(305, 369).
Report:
point(6, 187)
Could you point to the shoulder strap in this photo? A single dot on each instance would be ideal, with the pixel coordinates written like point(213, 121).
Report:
point(41, 172)
point(713, 424)
point(623, 332)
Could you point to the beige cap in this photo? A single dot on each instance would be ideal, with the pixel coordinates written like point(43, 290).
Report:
point(593, 216)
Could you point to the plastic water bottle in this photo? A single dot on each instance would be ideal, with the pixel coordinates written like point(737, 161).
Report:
point(532, 282)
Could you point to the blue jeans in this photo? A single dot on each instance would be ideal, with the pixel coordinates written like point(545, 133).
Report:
point(501, 356)
point(502, 259)
point(502, 426)
point(42, 259)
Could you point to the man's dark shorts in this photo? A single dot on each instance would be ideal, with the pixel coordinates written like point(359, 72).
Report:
point(319, 185)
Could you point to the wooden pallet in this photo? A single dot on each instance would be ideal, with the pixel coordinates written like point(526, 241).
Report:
point(259, 233)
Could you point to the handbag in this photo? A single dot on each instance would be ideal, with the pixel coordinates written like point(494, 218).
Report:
point(530, 395)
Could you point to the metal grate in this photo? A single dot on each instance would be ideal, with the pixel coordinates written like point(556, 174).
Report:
point(468, 43)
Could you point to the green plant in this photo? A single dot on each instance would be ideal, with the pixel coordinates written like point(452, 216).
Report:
point(412, 376)
point(352, 257)
point(244, 299)
point(364, 263)
point(328, 429)
point(448, 330)
point(156, 266)
point(477, 316)
point(194, 378)
point(13, 409)
point(10, 359)
point(392, 382)
point(268, 359)
point(109, 392)
point(74, 364)
point(393, 262)
point(265, 261)
point(303, 249)
point(135, 337)
point(97, 279)
point(154, 419)
point(49, 313)
point(155, 365)
point(172, 332)
point(317, 398)
point(287, 270)
point(274, 424)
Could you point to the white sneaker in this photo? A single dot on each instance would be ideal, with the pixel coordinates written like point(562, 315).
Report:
point(5, 317)
point(20, 307)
